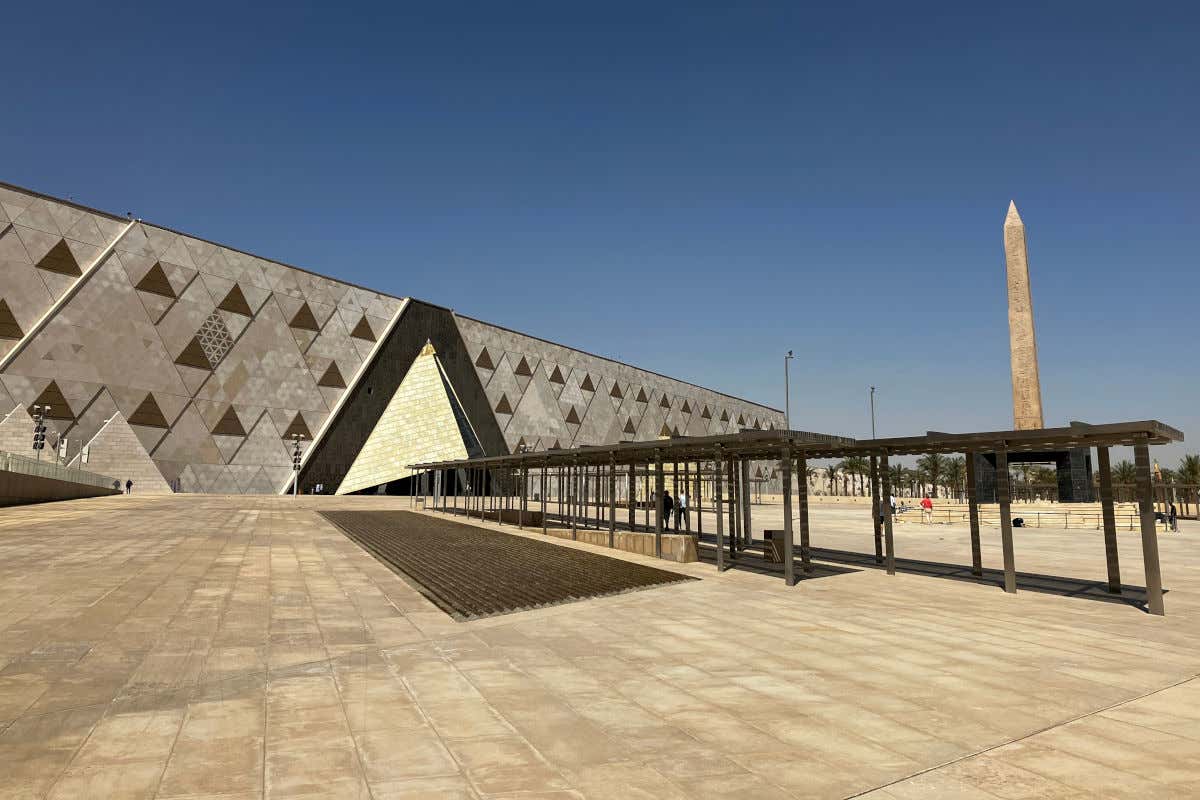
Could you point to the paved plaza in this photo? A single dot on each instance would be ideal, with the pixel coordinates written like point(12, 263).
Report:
point(243, 647)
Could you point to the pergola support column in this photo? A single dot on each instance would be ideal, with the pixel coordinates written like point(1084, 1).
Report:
point(1108, 513)
point(717, 475)
point(1006, 537)
point(1141, 460)
point(973, 517)
point(802, 513)
point(631, 500)
point(658, 512)
point(572, 493)
point(747, 529)
point(785, 465)
point(876, 523)
point(889, 548)
point(612, 501)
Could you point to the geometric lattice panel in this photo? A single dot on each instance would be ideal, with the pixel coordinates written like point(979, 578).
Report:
point(215, 338)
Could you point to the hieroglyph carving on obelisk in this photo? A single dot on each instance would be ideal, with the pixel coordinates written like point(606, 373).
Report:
point(1026, 383)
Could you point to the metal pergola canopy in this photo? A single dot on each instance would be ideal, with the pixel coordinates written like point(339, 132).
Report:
point(752, 444)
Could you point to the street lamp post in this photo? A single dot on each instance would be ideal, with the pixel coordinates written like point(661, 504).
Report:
point(787, 393)
point(295, 464)
point(40, 413)
point(872, 412)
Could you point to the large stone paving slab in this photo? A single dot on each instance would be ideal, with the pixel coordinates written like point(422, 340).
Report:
point(234, 647)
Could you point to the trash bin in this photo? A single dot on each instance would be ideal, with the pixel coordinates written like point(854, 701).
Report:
point(773, 547)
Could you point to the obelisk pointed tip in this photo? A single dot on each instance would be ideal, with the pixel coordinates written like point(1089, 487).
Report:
point(1013, 217)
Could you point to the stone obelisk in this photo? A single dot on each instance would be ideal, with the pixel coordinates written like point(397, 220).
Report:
point(1026, 383)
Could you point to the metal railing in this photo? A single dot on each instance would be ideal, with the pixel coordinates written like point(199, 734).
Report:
point(1083, 519)
point(11, 462)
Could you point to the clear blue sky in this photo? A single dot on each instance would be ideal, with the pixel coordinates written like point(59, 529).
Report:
point(692, 189)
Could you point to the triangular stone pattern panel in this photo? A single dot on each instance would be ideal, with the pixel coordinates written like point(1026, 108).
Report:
point(117, 452)
point(298, 426)
point(362, 330)
point(9, 329)
point(229, 424)
point(16, 432)
point(60, 260)
point(304, 319)
point(332, 377)
point(418, 425)
point(52, 396)
point(194, 356)
point(523, 369)
point(149, 414)
point(485, 360)
point(156, 282)
point(235, 302)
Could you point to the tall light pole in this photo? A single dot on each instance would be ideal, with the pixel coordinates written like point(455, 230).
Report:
point(872, 412)
point(787, 393)
point(295, 464)
point(40, 414)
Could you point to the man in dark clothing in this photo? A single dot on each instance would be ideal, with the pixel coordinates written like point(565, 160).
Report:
point(128, 487)
point(667, 505)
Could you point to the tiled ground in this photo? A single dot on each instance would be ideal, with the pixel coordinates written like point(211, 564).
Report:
point(242, 647)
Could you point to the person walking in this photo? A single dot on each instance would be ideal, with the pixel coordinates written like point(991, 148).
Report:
point(665, 511)
point(681, 509)
point(128, 487)
point(926, 509)
point(1173, 519)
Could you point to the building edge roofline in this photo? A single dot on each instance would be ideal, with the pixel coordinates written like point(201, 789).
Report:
point(617, 361)
point(118, 218)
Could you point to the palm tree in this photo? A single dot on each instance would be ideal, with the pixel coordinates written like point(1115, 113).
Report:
point(831, 475)
point(931, 467)
point(896, 477)
point(858, 467)
point(1189, 470)
point(956, 473)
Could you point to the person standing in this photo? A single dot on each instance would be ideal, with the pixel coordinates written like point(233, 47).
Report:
point(665, 511)
point(128, 486)
point(1173, 519)
point(926, 509)
point(681, 509)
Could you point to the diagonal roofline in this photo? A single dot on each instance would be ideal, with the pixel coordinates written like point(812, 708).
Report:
point(115, 217)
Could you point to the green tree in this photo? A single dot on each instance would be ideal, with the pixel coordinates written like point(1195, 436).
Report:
point(1188, 471)
point(1124, 472)
point(930, 468)
point(859, 468)
point(956, 473)
point(831, 475)
point(897, 477)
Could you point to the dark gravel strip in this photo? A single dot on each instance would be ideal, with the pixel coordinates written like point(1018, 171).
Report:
point(472, 572)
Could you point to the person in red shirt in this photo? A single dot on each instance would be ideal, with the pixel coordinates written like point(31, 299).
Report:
point(926, 510)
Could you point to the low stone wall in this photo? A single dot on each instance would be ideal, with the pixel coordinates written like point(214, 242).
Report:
point(25, 480)
point(511, 516)
point(675, 547)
